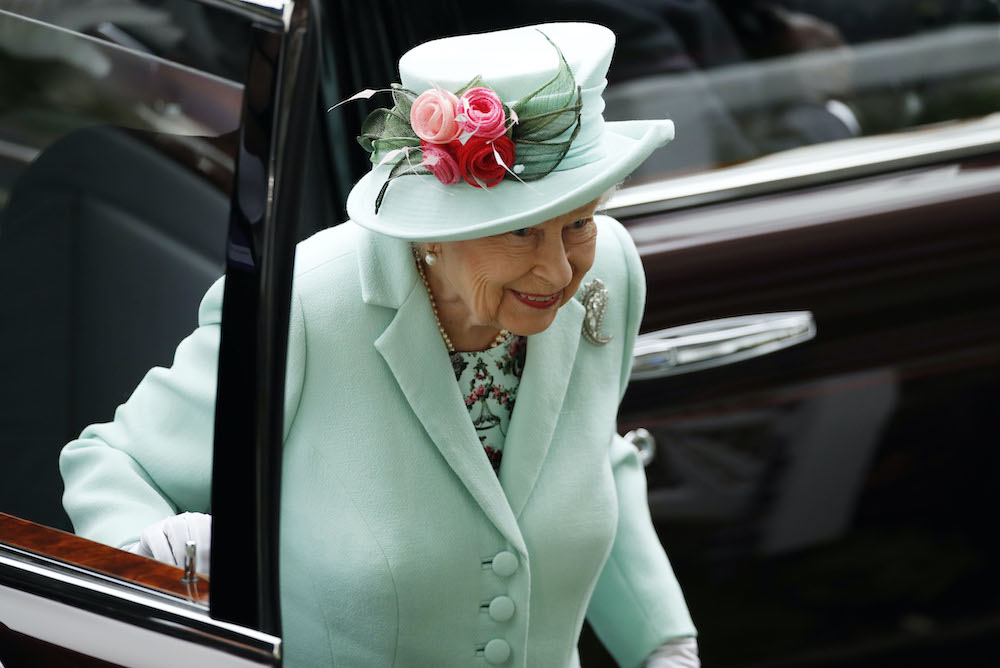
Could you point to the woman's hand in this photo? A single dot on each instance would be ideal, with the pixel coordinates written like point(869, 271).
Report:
point(676, 653)
point(165, 540)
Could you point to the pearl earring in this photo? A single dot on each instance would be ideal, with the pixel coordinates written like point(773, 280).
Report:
point(430, 258)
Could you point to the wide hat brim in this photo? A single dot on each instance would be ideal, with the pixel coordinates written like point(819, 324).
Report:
point(420, 208)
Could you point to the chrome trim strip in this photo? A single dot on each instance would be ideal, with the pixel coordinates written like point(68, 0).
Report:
point(119, 643)
point(18, 152)
point(812, 165)
point(798, 210)
point(130, 603)
point(56, 566)
point(715, 343)
point(271, 13)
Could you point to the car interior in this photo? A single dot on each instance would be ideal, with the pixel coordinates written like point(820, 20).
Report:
point(104, 243)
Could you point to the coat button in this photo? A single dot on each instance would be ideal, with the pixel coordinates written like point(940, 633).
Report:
point(504, 564)
point(496, 651)
point(501, 608)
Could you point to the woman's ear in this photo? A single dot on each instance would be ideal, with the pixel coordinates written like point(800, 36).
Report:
point(421, 247)
point(426, 253)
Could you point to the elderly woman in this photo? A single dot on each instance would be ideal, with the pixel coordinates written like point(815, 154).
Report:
point(454, 492)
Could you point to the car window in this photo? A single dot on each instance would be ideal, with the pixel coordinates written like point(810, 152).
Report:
point(743, 80)
point(184, 32)
point(747, 84)
point(116, 168)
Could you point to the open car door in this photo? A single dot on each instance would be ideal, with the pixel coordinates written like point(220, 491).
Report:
point(144, 152)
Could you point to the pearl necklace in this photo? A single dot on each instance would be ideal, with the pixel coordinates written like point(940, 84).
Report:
point(500, 337)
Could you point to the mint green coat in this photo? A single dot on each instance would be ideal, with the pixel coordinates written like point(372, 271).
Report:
point(391, 513)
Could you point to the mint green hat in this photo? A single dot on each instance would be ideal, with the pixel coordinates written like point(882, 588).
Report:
point(549, 79)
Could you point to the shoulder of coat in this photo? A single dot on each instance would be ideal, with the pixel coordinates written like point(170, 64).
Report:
point(613, 260)
point(325, 247)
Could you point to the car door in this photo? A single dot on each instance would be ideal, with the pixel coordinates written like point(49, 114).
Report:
point(140, 144)
point(813, 389)
point(819, 350)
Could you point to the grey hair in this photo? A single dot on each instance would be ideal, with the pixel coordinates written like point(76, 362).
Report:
point(602, 201)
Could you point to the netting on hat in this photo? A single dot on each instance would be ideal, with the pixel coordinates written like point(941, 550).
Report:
point(542, 117)
point(387, 130)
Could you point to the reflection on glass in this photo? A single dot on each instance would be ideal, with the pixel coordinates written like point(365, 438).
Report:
point(846, 511)
point(190, 33)
point(746, 79)
point(115, 176)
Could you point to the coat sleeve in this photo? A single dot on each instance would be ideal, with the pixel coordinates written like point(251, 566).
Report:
point(154, 459)
point(637, 603)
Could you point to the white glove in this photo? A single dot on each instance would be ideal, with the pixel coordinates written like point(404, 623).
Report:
point(165, 540)
point(676, 653)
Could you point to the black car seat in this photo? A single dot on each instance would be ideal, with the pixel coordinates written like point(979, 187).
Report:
point(106, 248)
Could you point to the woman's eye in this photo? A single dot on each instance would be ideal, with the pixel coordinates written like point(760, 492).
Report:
point(523, 232)
point(580, 224)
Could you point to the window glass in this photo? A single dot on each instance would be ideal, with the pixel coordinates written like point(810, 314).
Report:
point(739, 79)
point(746, 79)
point(116, 169)
point(181, 31)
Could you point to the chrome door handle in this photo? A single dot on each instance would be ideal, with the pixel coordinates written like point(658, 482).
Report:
point(190, 555)
point(703, 345)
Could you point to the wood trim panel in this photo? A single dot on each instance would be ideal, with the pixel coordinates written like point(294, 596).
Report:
point(103, 559)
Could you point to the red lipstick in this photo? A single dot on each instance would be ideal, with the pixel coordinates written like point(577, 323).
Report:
point(540, 302)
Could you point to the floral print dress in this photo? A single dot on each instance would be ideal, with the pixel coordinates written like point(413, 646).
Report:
point(488, 381)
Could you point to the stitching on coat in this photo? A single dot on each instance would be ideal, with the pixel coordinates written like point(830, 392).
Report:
point(385, 557)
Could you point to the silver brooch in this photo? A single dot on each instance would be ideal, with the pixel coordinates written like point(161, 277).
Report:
point(595, 300)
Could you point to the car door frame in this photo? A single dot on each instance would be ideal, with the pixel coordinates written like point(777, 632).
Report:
point(130, 604)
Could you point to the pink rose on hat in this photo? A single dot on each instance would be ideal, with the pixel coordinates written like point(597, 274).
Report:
point(432, 116)
point(440, 163)
point(480, 113)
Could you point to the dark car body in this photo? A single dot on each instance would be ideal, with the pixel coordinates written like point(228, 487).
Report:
point(813, 389)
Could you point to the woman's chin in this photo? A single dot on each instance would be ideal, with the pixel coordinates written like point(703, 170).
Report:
point(530, 324)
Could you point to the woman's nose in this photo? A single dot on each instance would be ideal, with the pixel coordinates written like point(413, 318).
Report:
point(553, 263)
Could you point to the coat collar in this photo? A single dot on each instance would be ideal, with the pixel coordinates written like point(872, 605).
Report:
point(386, 268)
point(389, 279)
point(547, 371)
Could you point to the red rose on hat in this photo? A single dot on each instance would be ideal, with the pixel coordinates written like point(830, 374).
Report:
point(477, 160)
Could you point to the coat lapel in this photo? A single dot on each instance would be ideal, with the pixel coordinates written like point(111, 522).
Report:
point(547, 371)
point(412, 347)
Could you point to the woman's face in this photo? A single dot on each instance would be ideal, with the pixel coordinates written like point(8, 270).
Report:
point(516, 280)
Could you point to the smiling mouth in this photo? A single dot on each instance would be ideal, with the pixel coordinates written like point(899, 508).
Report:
point(538, 301)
